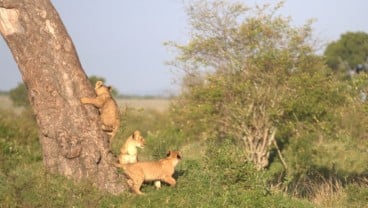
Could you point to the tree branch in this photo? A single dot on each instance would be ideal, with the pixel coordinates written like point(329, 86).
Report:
point(278, 150)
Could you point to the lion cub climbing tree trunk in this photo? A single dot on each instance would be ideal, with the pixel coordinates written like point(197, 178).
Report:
point(73, 143)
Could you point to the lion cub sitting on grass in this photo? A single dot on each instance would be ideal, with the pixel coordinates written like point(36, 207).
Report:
point(108, 108)
point(161, 170)
point(128, 152)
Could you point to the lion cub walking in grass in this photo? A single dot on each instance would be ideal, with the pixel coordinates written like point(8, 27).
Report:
point(161, 170)
point(108, 108)
point(129, 152)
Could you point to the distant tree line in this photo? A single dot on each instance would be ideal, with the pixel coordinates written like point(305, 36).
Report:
point(349, 53)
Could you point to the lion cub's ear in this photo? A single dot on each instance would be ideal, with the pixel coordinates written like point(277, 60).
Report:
point(98, 84)
point(173, 154)
point(179, 155)
point(136, 134)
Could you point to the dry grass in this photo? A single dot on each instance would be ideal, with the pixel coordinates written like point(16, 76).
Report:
point(7, 104)
point(328, 193)
point(155, 104)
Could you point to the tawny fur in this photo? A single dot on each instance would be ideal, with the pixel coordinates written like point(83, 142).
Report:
point(129, 152)
point(161, 170)
point(109, 111)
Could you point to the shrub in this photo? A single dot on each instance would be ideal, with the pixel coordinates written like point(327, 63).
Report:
point(251, 76)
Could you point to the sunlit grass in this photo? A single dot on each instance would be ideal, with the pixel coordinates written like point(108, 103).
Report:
point(210, 175)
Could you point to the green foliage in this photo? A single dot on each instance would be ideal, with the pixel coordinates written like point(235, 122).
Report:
point(29, 185)
point(18, 139)
point(248, 71)
point(352, 47)
point(313, 97)
point(21, 127)
point(241, 67)
point(356, 196)
point(262, 52)
point(207, 177)
point(156, 128)
point(213, 173)
point(19, 96)
point(218, 179)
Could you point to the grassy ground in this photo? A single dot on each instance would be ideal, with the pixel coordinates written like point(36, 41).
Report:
point(5, 102)
point(210, 174)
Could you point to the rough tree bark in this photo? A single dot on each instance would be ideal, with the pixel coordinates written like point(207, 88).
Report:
point(72, 142)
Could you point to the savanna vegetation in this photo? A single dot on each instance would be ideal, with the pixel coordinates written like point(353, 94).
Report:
point(262, 121)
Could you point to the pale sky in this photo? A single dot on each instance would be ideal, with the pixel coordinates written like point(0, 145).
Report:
point(122, 41)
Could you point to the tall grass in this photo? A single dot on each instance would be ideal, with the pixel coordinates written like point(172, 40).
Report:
point(211, 174)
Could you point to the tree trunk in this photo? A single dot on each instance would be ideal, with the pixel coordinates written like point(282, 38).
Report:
point(73, 143)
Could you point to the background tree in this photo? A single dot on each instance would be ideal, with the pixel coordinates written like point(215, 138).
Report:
point(252, 78)
point(237, 65)
point(347, 52)
point(72, 141)
point(19, 96)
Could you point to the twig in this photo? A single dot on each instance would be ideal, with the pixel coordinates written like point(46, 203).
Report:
point(278, 150)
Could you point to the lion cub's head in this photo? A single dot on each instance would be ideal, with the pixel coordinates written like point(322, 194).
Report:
point(174, 155)
point(138, 139)
point(101, 89)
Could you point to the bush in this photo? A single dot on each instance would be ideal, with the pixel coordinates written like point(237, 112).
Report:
point(248, 74)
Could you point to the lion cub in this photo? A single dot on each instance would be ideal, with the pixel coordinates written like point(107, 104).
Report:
point(108, 108)
point(161, 170)
point(128, 152)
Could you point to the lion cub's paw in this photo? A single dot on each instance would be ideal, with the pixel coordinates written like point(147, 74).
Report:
point(83, 100)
